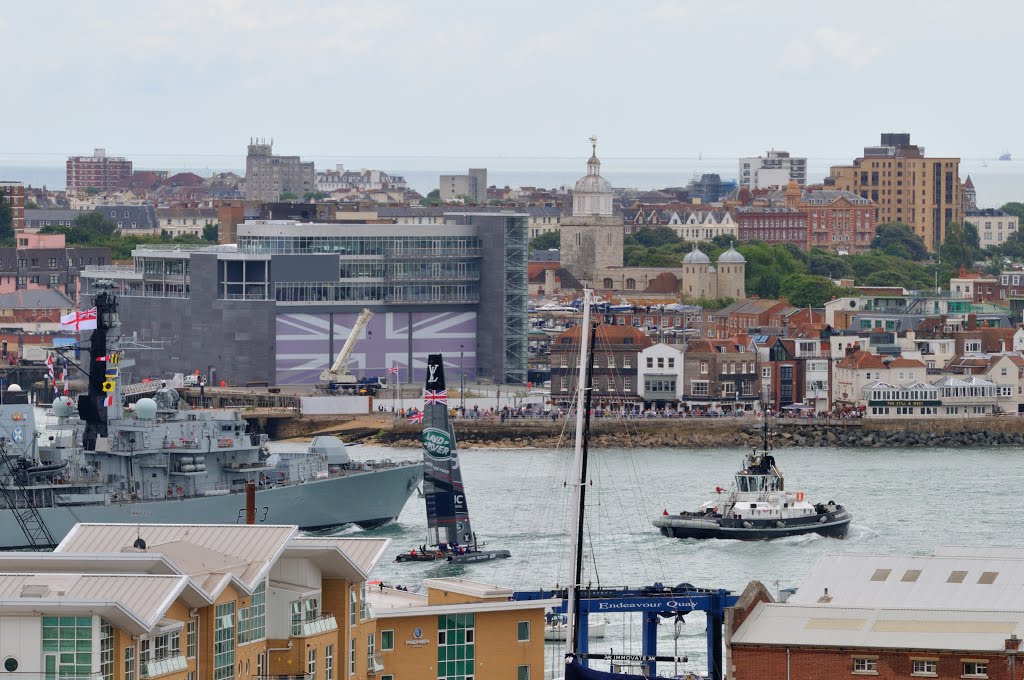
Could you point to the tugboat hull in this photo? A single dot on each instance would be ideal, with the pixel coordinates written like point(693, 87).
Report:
point(834, 524)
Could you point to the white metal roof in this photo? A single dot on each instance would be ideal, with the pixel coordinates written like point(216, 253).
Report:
point(871, 628)
point(212, 554)
point(363, 554)
point(992, 583)
point(133, 601)
point(471, 588)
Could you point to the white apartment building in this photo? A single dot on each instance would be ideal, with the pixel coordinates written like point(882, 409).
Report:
point(994, 226)
point(660, 374)
point(774, 170)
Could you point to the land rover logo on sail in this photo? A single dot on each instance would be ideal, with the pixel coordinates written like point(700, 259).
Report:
point(437, 443)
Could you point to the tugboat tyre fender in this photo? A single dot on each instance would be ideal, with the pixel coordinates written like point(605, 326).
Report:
point(780, 524)
point(748, 525)
point(823, 519)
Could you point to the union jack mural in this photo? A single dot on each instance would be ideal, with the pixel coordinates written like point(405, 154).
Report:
point(303, 344)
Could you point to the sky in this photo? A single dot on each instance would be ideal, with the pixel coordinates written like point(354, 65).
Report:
point(671, 79)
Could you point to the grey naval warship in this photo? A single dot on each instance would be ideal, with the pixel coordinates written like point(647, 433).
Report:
point(162, 462)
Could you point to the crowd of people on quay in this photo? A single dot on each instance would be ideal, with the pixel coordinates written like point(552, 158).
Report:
point(630, 411)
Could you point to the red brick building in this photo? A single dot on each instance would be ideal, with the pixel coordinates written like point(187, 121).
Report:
point(98, 171)
point(956, 614)
point(14, 194)
point(772, 224)
point(616, 353)
point(839, 220)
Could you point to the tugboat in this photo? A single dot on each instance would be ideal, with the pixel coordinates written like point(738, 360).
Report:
point(450, 537)
point(758, 508)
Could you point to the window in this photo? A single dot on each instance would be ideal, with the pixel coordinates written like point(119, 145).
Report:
point(975, 669)
point(224, 642)
point(924, 667)
point(523, 631)
point(865, 664)
point(329, 662)
point(258, 613)
point(627, 384)
point(523, 673)
point(70, 640)
point(703, 368)
point(456, 651)
point(352, 656)
point(311, 662)
point(243, 625)
point(129, 663)
point(627, 361)
point(370, 649)
point(387, 640)
point(296, 608)
point(190, 639)
point(766, 371)
point(352, 606)
point(106, 650)
point(650, 362)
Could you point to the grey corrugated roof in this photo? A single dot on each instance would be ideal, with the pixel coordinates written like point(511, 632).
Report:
point(45, 298)
point(974, 630)
point(364, 553)
point(144, 597)
point(210, 553)
point(857, 581)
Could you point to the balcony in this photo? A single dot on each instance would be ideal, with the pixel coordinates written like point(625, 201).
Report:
point(322, 624)
point(374, 664)
point(158, 665)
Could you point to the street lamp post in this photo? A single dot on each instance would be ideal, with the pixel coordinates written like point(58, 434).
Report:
point(462, 383)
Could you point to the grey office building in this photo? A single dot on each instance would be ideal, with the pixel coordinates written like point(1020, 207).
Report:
point(268, 176)
point(278, 305)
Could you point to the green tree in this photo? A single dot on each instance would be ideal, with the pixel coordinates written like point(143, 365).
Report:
point(95, 223)
point(92, 191)
point(6, 218)
point(899, 240)
point(767, 266)
point(824, 263)
point(1014, 208)
point(433, 198)
point(545, 241)
point(315, 195)
point(288, 196)
point(211, 232)
point(804, 290)
point(655, 237)
point(961, 248)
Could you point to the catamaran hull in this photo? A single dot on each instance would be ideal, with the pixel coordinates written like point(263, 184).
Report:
point(367, 499)
point(833, 524)
point(481, 556)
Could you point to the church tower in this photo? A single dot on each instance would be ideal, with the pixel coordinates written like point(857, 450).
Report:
point(591, 239)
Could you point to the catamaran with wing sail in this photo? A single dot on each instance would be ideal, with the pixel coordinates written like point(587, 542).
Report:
point(450, 536)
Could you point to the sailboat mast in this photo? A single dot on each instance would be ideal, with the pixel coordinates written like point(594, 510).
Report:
point(579, 477)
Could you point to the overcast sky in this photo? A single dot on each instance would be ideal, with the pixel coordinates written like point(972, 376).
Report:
point(478, 79)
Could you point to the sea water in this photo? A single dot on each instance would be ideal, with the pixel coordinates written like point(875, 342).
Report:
point(903, 501)
point(997, 182)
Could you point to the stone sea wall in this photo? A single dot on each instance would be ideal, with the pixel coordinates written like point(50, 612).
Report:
point(1007, 431)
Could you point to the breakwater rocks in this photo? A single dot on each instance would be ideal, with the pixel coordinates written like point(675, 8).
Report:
point(726, 434)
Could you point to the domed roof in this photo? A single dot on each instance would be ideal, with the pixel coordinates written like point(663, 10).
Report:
point(731, 256)
point(695, 256)
point(594, 184)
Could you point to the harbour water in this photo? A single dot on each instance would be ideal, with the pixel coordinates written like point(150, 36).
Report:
point(903, 501)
